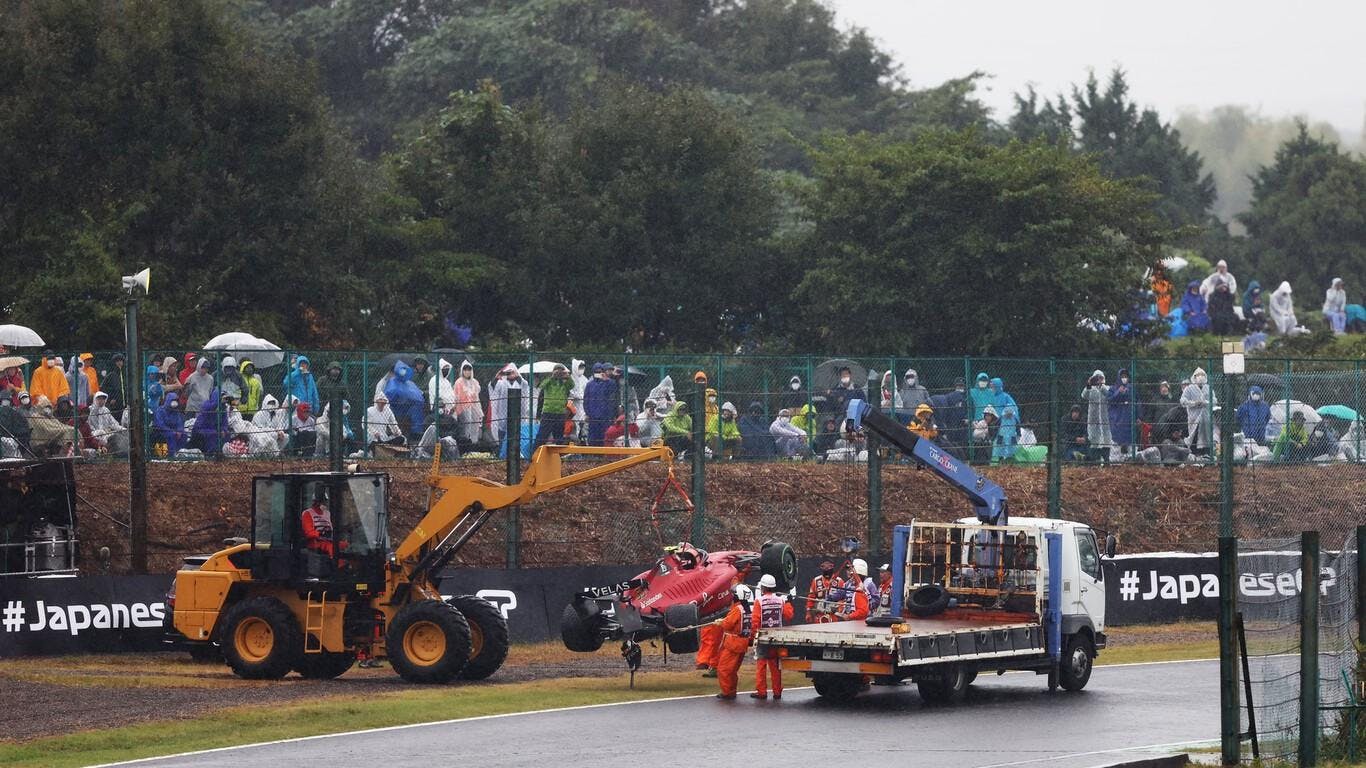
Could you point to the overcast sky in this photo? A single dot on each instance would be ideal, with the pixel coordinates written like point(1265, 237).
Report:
point(1282, 58)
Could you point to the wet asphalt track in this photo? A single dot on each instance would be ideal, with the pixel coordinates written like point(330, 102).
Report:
point(1006, 721)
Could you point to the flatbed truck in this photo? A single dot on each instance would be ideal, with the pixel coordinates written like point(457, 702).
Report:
point(983, 594)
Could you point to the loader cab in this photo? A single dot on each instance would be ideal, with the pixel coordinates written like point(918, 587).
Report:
point(359, 542)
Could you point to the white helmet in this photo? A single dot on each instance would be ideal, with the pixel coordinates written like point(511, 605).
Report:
point(743, 593)
point(768, 582)
point(860, 566)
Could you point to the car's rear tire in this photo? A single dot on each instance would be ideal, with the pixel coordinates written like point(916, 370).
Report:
point(324, 666)
point(686, 641)
point(428, 642)
point(262, 639)
point(1077, 657)
point(488, 636)
point(927, 600)
point(578, 635)
point(777, 559)
point(838, 688)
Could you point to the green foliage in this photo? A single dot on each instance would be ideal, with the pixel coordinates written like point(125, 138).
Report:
point(1308, 217)
point(949, 245)
point(151, 133)
point(1130, 143)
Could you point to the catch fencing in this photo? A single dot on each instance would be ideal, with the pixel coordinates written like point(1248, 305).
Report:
point(1132, 459)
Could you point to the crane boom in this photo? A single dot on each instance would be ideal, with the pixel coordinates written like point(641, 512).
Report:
point(988, 499)
point(465, 502)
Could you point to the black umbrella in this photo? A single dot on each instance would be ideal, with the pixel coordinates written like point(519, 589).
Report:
point(386, 363)
point(827, 374)
point(1265, 380)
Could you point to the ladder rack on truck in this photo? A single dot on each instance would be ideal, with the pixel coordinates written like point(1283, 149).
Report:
point(988, 593)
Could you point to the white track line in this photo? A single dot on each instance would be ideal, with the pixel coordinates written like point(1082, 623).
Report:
point(1050, 758)
point(475, 718)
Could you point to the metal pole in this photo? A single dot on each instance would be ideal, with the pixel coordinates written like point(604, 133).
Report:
point(1228, 650)
point(1361, 580)
point(1226, 459)
point(137, 449)
point(1054, 445)
point(874, 496)
point(1309, 649)
point(514, 475)
point(335, 431)
point(699, 464)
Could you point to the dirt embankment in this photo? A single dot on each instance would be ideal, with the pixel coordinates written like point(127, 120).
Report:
point(194, 506)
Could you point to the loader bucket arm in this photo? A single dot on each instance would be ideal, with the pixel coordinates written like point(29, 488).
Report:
point(462, 500)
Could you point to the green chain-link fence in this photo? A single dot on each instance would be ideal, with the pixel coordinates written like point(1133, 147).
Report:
point(1136, 458)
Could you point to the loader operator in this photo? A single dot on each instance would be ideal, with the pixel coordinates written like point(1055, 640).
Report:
point(771, 610)
point(737, 633)
point(317, 525)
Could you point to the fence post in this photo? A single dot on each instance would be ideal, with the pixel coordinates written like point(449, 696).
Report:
point(1356, 402)
point(811, 406)
point(1309, 649)
point(874, 495)
point(1226, 428)
point(699, 465)
point(514, 475)
point(1361, 593)
point(971, 386)
point(1229, 722)
point(1054, 444)
point(137, 441)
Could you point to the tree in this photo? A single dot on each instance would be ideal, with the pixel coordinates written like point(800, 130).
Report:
point(1308, 216)
point(662, 227)
point(1129, 144)
point(1051, 122)
point(152, 133)
point(950, 245)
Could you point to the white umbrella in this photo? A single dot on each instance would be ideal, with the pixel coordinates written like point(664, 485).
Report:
point(261, 352)
point(541, 366)
point(1175, 263)
point(1282, 410)
point(19, 336)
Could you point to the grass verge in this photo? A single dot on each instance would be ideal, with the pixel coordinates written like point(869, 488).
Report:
point(245, 725)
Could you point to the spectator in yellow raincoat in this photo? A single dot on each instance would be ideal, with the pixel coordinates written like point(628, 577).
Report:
point(923, 423)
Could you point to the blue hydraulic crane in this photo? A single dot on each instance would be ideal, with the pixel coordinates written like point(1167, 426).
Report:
point(988, 499)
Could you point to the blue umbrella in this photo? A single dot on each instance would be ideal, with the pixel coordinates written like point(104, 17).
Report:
point(1338, 412)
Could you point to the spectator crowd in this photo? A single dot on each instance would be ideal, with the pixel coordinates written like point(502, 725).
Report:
point(1214, 305)
point(216, 404)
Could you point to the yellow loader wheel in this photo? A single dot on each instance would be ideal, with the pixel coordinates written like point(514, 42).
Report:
point(428, 642)
point(261, 639)
point(488, 636)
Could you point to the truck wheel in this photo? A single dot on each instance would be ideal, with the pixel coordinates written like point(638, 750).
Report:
point(948, 687)
point(577, 634)
point(777, 559)
point(324, 666)
point(261, 639)
point(1075, 669)
point(687, 641)
point(488, 636)
point(928, 600)
point(428, 642)
point(836, 687)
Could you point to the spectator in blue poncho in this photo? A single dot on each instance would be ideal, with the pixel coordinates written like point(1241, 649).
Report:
point(600, 401)
point(1007, 436)
point(1193, 308)
point(1253, 415)
point(300, 385)
point(211, 425)
point(1121, 411)
point(152, 389)
point(981, 396)
point(168, 425)
point(1000, 398)
point(406, 400)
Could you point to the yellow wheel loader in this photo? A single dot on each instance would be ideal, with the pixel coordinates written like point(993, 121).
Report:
point(288, 599)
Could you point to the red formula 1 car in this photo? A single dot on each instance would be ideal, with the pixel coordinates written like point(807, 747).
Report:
point(685, 588)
